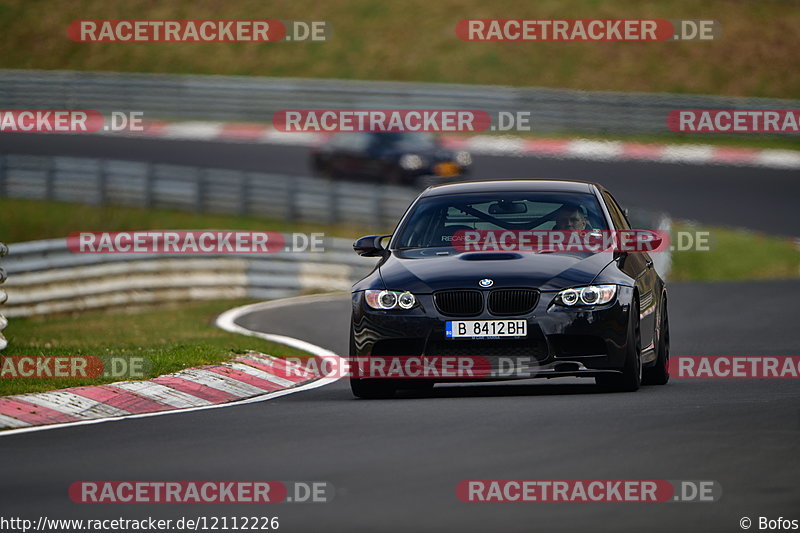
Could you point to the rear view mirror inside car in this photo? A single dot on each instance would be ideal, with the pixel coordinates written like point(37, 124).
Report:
point(507, 208)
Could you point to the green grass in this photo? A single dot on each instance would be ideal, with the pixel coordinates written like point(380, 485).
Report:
point(737, 255)
point(170, 338)
point(414, 40)
point(26, 220)
point(750, 141)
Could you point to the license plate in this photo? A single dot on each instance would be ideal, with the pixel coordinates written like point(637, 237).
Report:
point(480, 329)
point(446, 169)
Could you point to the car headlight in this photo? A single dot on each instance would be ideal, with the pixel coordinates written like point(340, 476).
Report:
point(411, 162)
point(390, 299)
point(463, 158)
point(591, 295)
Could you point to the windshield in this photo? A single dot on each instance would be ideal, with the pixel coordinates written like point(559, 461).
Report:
point(434, 220)
point(404, 140)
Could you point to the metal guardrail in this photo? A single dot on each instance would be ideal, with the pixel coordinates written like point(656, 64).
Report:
point(204, 190)
point(3, 297)
point(257, 99)
point(48, 278)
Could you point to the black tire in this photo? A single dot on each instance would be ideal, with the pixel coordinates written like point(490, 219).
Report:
point(631, 378)
point(369, 388)
point(372, 389)
point(659, 373)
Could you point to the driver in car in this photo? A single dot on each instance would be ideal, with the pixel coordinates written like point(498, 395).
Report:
point(570, 217)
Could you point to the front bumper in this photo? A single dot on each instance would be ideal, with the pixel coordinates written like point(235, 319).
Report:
point(561, 341)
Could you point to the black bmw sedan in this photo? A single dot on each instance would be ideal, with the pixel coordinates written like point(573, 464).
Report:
point(507, 313)
point(401, 158)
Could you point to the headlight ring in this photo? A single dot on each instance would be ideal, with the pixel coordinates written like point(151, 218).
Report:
point(586, 296)
point(386, 300)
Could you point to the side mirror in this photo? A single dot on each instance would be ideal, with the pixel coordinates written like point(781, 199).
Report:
point(370, 246)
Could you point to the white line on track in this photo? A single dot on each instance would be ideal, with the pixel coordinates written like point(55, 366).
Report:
point(226, 321)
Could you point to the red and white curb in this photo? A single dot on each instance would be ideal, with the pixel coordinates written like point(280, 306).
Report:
point(507, 145)
point(248, 378)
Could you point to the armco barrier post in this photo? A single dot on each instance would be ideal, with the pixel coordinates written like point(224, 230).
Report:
point(149, 178)
point(201, 177)
point(333, 203)
point(3, 176)
point(102, 182)
point(291, 200)
point(49, 180)
point(242, 203)
point(3, 296)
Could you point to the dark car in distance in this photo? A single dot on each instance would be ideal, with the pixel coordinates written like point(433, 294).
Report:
point(595, 314)
point(401, 158)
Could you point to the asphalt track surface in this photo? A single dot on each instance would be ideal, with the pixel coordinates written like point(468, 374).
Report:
point(396, 463)
point(757, 198)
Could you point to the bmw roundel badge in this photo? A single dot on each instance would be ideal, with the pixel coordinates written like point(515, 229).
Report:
point(486, 282)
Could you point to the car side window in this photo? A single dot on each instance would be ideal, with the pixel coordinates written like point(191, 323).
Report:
point(350, 141)
point(617, 216)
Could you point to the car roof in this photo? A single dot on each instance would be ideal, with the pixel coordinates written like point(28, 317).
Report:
point(510, 185)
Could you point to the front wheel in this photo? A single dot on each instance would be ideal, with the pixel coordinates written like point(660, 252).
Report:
point(631, 377)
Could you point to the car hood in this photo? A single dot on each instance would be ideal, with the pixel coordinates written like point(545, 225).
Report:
point(423, 271)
